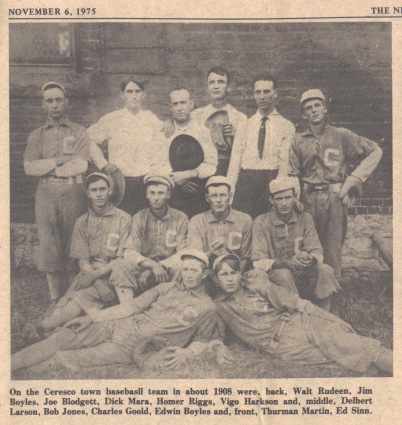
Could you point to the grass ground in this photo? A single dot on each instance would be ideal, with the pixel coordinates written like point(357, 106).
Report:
point(365, 302)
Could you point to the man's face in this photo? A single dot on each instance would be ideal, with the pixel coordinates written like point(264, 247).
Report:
point(265, 95)
point(181, 105)
point(218, 198)
point(55, 102)
point(157, 195)
point(192, 273)
point(283, 202)
point(228, 279)
point(314, 111)
point(132, 96)
point(99, 193)
point(217, 86)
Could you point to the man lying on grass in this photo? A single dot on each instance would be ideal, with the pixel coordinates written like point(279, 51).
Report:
point(178, 311)
point(274, 319)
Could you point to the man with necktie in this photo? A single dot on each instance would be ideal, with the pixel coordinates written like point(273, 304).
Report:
point(262, 153)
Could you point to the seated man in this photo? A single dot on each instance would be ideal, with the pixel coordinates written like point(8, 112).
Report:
point(187, 155)
point(178, 311)
point(286, 246)
point(98, 240)
point(221, 229)
point(269, 317)
point(157, 234)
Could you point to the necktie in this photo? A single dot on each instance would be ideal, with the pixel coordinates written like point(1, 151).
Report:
point(261, 137)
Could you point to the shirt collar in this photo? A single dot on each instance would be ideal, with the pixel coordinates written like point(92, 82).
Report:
point(109, 212)
point(199, 294)
point(165, 217)
point(212, 219)
point(271, 115)
point(278, 222)
point(308, 132)
point(51, 123)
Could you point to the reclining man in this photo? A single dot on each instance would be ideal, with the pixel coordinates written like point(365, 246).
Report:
point(157, 234)
point(98, 240)
point(274, 319)
point(286, 246)
point(221, 229)
point(178, 311)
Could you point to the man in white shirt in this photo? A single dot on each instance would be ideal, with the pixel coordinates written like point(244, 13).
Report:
point(188, 136)
point(257, 158)
point(129, 132)
point(225, 122)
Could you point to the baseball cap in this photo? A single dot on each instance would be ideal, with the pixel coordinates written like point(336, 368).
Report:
point(157, 178)
point(195, 253)
point(218, 180)
point(312, 94)
point(223, 257)
point(280, 184)
point(52, 84)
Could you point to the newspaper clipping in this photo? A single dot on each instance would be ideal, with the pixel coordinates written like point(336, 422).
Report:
point(198, 211)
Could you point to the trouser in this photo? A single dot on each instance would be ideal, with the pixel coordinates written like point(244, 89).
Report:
point(125, 275)
point(252, 191)
point(330, 219)
point(134, 198)
point(99, 344)
point(313, 283)
point(57, 207)
point(190, 203)
point(312, 340)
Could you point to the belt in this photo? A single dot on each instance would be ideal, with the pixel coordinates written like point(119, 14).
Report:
point(320, 188)
point(273, 344)
point(63, 180)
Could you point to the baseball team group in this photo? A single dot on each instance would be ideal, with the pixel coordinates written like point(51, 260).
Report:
point(193, 231)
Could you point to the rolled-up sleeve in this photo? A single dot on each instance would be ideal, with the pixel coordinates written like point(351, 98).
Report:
point(260, 253)
point(133, 244)
point(34, 165)
point(208, 167)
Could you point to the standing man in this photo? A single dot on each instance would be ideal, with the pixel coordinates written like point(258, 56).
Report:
point(57, 153)
point(286, 246)
point(225, 122)
point(188, 155)
point(98, 239)
point(257, 158)
point(157, 234)
point(129, 132)
point(222, 229)
point(319, 157)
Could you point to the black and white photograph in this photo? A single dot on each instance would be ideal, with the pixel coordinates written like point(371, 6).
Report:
point(200, 200)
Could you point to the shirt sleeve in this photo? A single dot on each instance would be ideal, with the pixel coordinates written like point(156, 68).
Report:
point(194, 239)
point(239, 144)
point(135, 306)
point(125, 226)
point(284, 165)
point(310, 238)
point(260, 247)
point(97, 156)
point(79, 241)
point(134, 241)
point(245, 250)
point(368, 165)
point(34, 165)
point(159, 160)
point(208, 167)
point(75, 167)
point(280, 298)
point(294, 167)
point(207, 326)
point(182, 233)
